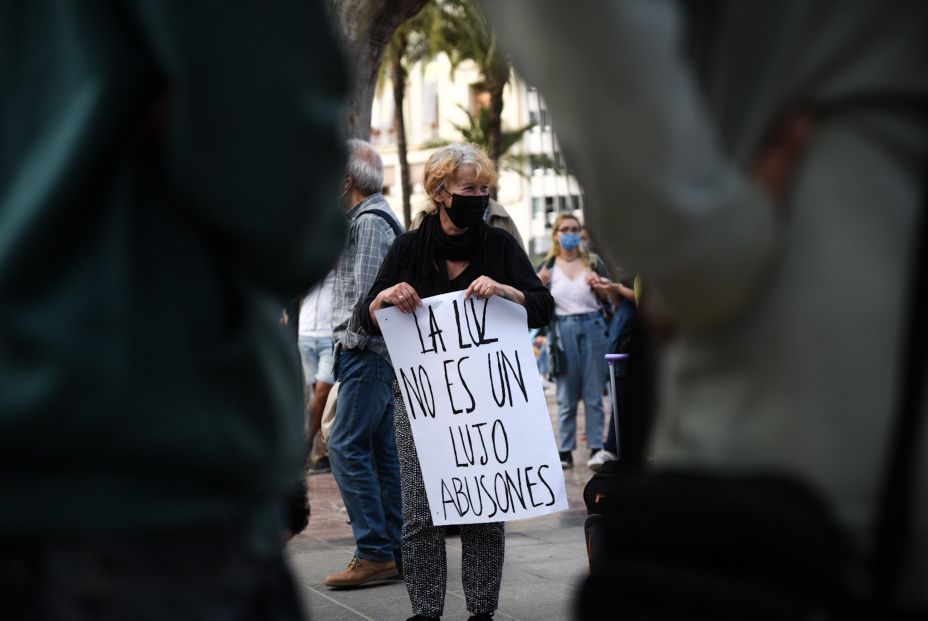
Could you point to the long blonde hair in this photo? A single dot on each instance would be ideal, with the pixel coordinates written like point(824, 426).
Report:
point(444, 163)
point(556, 244)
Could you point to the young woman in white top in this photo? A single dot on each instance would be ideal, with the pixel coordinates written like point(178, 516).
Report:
point(578, 337)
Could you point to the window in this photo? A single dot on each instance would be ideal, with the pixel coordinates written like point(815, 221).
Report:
point(538, 206)
point(416, 173)
point(430, 107)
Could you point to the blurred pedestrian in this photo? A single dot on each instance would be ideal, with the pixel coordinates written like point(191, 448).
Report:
point(761, 165)
point(622, 330)
point(317, 353)
point(162, 195)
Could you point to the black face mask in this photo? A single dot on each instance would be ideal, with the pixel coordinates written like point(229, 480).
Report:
point(467, 211)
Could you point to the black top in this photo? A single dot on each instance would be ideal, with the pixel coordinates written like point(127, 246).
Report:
point(500, 257)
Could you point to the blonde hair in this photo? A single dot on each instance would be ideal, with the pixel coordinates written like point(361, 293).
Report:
point(556, 244)
point(444, 164)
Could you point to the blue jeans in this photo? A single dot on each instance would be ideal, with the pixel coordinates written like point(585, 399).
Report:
point(585, 341)
point(619, 333)
point(362, 451)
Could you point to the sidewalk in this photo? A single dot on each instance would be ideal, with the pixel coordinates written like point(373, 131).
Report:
point(545, 561)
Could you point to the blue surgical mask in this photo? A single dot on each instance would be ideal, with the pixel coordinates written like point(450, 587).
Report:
point(568, 241)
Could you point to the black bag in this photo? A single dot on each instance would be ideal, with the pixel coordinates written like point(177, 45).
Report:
point(602, 485)
point(595, 494)
point(687, 545)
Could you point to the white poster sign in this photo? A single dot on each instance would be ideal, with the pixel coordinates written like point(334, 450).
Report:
point(477, 409)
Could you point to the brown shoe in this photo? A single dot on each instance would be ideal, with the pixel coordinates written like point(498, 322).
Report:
point(362, 571)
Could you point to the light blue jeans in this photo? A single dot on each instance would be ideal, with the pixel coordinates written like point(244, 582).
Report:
point(318, 356)
point(585, 341)
point(362, 451)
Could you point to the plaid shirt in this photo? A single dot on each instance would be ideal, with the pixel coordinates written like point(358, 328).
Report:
point(368, 241)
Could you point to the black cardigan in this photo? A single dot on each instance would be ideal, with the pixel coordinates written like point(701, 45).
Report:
point(500, 257)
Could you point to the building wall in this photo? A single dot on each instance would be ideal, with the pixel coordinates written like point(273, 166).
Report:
point(431, 111)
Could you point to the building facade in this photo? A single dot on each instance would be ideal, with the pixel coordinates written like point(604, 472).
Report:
point(533, 188)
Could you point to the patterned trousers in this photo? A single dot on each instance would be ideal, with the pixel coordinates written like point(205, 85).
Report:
point(425, 565)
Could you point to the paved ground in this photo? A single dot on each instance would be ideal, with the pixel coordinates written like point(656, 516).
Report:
point(545, 560)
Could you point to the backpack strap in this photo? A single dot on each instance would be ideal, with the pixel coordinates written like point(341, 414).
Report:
point(598, 265)
point(397, 229)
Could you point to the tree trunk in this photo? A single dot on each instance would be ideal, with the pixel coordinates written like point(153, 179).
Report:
point(398, 75)
point(496, 124)
point(366, 27)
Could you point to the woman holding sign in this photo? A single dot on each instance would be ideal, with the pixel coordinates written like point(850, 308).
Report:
point(452, 250)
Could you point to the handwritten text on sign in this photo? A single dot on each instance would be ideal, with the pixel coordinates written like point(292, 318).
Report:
point(477, 409)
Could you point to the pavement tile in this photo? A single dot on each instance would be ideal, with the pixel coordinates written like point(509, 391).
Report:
point(534, 600)
point(321, 598)
point(516, 539)
point(573, 535)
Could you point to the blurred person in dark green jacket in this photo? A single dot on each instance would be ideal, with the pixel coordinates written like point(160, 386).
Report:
point(168, 179)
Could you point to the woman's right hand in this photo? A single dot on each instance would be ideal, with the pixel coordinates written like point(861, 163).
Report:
point(402, 296)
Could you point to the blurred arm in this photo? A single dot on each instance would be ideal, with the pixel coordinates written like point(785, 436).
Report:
point(661, 197)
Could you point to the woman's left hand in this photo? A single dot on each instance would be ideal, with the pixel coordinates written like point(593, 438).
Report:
point(401, 295)
point(599, 284)
point(484, 287)
point(607, 290)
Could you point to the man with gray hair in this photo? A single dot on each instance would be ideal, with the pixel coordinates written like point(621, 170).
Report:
point(362, 449)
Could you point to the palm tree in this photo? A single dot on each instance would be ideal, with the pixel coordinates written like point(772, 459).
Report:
point(459, 29)
point(477, 131)
point(414, 41)
point(468, 36)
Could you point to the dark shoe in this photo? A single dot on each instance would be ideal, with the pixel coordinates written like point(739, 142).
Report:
point(483, 616)
point(567, 460)
point(421, 618)
point(361, 571)
point(320, 466)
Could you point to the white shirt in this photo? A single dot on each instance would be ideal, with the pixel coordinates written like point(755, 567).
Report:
point(572, 297)
point(316, 309)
